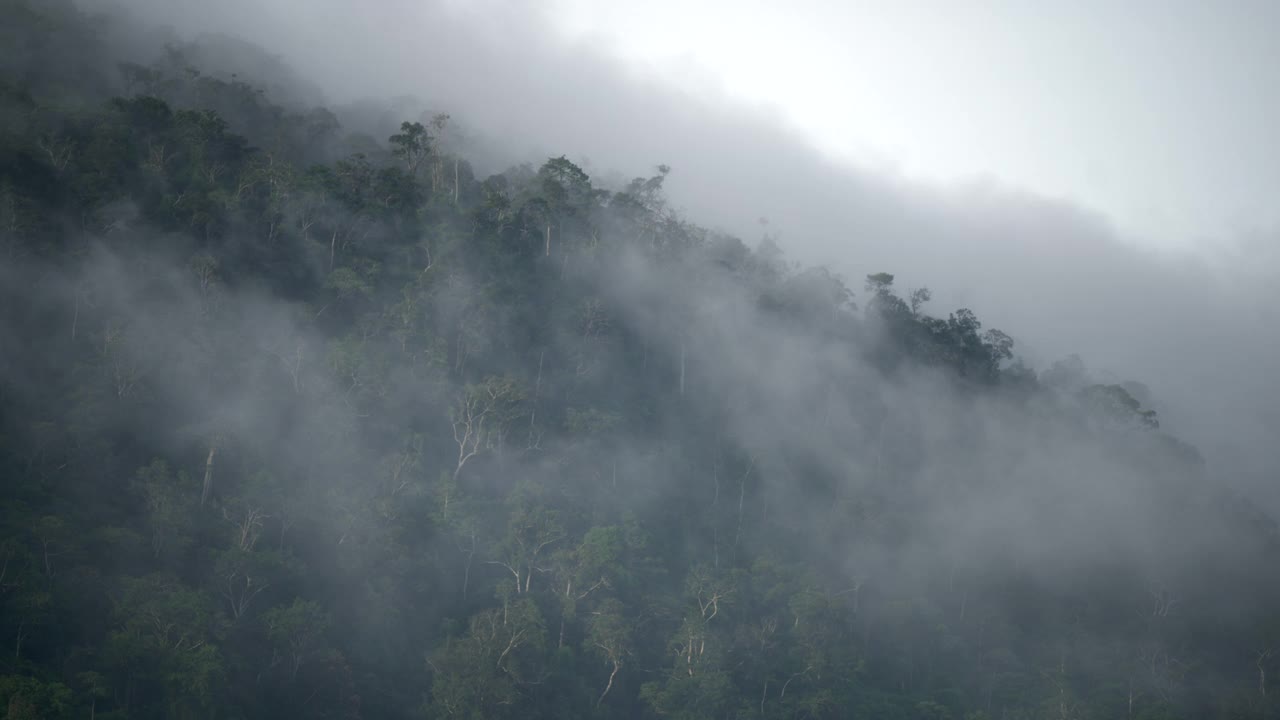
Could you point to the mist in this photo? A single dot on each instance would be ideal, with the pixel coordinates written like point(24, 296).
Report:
point(542, 422)
point(1055, 275)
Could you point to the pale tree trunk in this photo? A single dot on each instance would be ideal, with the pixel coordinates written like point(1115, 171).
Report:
point(466, 572)
point(534, 436)
point(783, 694)
point(742, 494)
point(296, 371)
point(208, 471)
point(855, 590)
point(608, 687)
point(17, 646)
point(715, 478)
point(75, 317)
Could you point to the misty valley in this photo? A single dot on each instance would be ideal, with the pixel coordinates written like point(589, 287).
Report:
point(304, 416)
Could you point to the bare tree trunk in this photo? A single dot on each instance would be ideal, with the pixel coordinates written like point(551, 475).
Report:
point(471, 554)
point(533, 410)
point(742, 494)
point(466, 576)
point(610, 685)
point(548, 240)
point(1263, 655)
point(208, 471)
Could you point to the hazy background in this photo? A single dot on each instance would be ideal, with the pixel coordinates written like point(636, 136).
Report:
point(1092, 179)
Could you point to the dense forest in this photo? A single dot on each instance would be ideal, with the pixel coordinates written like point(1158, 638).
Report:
point(303, 420)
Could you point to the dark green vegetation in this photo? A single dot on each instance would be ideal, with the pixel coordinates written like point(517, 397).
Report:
point(300, 424)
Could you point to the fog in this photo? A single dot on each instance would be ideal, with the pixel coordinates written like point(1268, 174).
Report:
point(392, 422)
point(1058, 277)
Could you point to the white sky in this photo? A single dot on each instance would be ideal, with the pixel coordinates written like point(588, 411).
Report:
point(1162, 115)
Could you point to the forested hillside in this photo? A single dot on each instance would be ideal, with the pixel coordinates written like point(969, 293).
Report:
point(299, 422)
